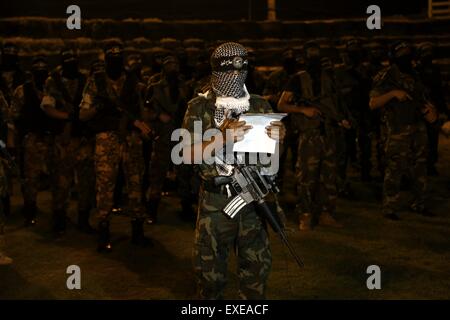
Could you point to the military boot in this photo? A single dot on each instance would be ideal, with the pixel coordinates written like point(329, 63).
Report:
point(137, 234)
point(326, 219)
point(305, 222)
point(4, 259)
point(104, 241)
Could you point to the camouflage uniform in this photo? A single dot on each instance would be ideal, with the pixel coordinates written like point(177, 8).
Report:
point(275, 84)
point(337, 133)
point(406, 139)
point(73, 148)
point(35, 131)
point(115, 142)
point(3, 191)
point(160, 101)
point(316, 161)
point(430, 75)
point(10, 79)
point(355, 83)
point(3, 166)
point(216, 234)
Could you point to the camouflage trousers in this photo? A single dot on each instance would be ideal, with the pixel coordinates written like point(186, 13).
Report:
point(316, 174)
point(160, 161)
point(215, 235)
point(337, 138)
point(3, 192)
point(74, 157)
point(37, 160)
point(110, 151)
point(406, 154)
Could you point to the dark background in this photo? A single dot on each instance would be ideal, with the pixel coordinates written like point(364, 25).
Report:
point(212, 9)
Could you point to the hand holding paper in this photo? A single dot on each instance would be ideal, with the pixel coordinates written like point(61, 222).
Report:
point(257, 139)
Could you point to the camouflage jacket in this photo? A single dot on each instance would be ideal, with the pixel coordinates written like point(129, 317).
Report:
point(202, 109)
point(63, 93)
point(399, 115)
point(159, 100)
point(275, 84)
point(302, 87)
point(127, 91)
point(4, 116)
point(4, 111)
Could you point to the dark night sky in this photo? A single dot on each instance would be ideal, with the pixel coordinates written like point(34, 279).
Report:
point(204, 9)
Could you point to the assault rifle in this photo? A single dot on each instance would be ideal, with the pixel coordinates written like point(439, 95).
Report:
point(9, 158)
point(252, 187)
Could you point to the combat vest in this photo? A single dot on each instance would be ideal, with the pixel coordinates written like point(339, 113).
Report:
point(77, 127)
point(108, 116)
point(32, 118)
point(398, 114)
point(18, 78)
point(160, 94)
point(300, 121)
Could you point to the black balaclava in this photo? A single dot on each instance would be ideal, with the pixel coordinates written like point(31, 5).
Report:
point(426, 54)
point(354, 52)
point(10, 57)
point(312, 58)
point(171, 69)
point(402, 57)
point(114, 61)
point(202, 67)
point(97, 66)
point(157, 60)
point(39, 70)
point(289, 61)
point(229, 65)
point(134, 64)
point(69, 63)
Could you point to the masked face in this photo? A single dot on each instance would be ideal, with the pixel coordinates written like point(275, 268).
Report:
point(114, 66)
point(355, 57)
point(404, 63)
point(9, 61)
point(39, 77)
point(426, 60)
point(70, 69)
point(230, 63)
point(376, 56)
point(157, 63)
point(202, 69)
point(289, 64)
point(171, 71)
point(312, 60)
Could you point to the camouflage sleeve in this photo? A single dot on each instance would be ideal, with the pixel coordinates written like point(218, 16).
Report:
point(265, 106)
point(380, 85)
point(270, 87)
point(156, 105)
point(17, 102)
point(193, 118)
point(4, 110)
point(51, 94)
point(89, 93)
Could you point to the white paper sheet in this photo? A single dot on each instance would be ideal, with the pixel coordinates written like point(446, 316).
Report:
point(256, 139)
